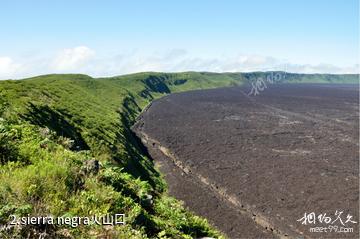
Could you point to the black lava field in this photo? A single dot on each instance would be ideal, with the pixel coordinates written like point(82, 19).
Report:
point(274, 165)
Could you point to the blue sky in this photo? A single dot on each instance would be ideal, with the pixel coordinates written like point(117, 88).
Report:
point(103, 38)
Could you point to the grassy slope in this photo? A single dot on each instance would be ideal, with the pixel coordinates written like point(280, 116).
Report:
point(53, 126)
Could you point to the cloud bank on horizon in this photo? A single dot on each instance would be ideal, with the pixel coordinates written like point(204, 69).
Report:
point(82, 59)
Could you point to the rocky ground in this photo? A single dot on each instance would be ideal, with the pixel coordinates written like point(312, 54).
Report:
point(255, 165)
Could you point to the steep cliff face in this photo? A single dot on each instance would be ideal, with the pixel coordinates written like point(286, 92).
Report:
point(55, 129)
point(67, 150)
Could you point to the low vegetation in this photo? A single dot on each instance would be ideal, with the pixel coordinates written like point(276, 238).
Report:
point(66, 149)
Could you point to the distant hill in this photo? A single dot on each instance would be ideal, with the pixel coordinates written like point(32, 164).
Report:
point(66, 149)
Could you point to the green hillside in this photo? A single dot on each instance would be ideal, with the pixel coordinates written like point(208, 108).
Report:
point(55, 129)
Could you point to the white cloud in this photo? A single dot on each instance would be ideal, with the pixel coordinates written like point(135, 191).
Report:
point(250, 63)
point(322, 68)
point(82, 59)
point(73, 58)
point(8, 67)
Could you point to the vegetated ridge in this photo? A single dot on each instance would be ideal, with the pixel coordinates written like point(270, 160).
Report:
point(66, 149)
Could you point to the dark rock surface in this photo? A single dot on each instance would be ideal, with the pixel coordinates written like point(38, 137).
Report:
point(254, 165)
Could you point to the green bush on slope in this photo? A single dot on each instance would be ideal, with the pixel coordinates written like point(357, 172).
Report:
point(53, 127)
